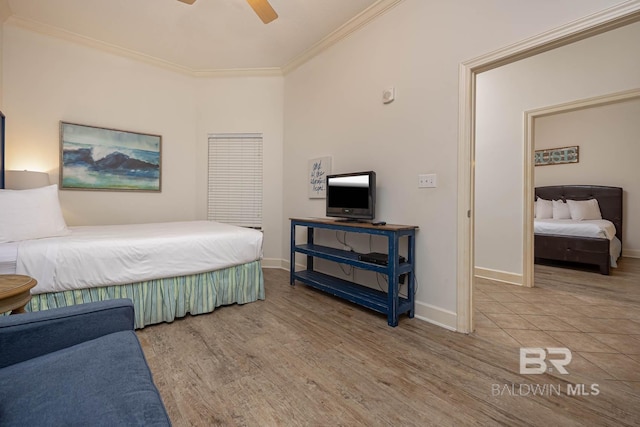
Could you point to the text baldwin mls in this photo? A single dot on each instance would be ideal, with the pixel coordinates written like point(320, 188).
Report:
point(526, 390)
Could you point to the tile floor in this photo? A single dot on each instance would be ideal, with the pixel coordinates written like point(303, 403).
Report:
point(597, 317)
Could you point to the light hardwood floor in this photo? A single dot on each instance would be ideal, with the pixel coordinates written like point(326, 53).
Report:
point(303, 358)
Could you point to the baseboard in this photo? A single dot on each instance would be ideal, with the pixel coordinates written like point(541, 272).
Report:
point(436, 315)
point(273, 263)
point(631, 253)
point(499, 276)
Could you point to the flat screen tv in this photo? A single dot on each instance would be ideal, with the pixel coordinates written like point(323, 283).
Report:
point(352, 196)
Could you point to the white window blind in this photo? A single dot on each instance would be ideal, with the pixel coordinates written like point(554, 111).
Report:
point(235, 179)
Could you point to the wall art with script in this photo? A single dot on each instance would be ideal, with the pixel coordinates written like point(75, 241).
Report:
point(556, 156)
point(317, 177)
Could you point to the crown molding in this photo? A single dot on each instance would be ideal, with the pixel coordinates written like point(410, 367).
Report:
point(239, 72)
point(70, 36)
point(605, 20)
point(49, 30)
point(363, 18)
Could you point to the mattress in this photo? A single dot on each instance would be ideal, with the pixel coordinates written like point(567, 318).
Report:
point(8, 257)
point(96, 256)
point(600, 228)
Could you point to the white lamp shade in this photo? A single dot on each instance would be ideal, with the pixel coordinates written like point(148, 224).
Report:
point(24, 180)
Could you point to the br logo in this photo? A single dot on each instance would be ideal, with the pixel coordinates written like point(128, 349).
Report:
point(533, 360)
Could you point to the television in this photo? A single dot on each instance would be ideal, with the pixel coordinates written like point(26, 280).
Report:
point(352, 196)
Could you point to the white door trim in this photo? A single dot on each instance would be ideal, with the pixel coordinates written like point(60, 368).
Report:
point(598, 23)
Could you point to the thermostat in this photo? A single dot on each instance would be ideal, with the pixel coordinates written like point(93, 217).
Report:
point(388, 95)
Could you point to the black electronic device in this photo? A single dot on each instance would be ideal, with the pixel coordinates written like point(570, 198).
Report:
point(351, 196)
point(379, 223)
point(378, 258)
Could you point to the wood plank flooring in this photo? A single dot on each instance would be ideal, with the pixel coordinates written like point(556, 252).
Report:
point(303, 358)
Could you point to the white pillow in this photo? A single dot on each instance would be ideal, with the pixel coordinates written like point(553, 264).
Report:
point(30, 214)
point(584, 209)
point(544, 209)
point(561, 210)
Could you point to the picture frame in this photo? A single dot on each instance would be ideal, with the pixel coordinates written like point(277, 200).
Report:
point(104, 159)
point(557, 156)
point(317, 172)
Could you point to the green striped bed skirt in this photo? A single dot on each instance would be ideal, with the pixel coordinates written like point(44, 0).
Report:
point(163, 300)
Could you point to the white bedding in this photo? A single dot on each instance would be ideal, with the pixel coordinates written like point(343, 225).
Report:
point(93, 256)
point(599, 228)
point(8, 257)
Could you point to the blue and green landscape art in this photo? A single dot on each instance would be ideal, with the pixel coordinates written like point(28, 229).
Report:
point(105, 159)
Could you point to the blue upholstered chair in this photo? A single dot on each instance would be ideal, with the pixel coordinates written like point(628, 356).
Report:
point(78, 365)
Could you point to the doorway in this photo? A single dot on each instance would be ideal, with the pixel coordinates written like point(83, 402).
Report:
point(597, 24)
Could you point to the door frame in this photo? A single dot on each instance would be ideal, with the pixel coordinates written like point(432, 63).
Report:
point(606, 20)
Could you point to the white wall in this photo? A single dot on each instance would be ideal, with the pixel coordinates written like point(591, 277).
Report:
point(607, 137)
point(246, 104)
point(600, 65)
point(333, 107)
point(47, 80)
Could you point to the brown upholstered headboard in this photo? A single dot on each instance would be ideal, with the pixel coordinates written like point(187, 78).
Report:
point(609, 199)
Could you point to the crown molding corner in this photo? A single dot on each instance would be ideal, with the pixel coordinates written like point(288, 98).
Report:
point(362, 19)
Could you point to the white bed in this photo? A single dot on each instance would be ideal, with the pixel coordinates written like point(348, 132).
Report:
point(93, 256)
point(167, 269)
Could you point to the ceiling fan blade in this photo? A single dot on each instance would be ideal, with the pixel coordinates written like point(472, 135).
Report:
point(188, 1)
point(263, 9)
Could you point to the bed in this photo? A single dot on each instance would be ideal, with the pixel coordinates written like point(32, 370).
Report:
point(578, 241)
point(167, 269)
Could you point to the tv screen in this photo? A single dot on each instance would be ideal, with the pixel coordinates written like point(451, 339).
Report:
point(351, 195)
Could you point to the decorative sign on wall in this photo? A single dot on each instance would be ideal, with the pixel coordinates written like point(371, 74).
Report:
point(555, 156)
point(317, 177)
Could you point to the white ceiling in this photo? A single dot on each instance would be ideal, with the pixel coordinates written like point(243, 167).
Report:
point(208, 35)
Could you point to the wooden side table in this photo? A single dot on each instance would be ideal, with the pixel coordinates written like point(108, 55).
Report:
point(15, 292)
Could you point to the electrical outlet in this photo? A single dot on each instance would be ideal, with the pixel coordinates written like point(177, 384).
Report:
point(427, 180)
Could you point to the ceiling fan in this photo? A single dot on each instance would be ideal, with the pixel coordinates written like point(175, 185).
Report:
point(261, 7)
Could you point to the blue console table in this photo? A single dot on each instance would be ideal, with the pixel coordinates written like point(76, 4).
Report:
point(389, 303)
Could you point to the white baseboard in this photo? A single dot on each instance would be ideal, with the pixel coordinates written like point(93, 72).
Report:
point(631, 253)
point(273, 263)
point(499, 276)
point(436, 315)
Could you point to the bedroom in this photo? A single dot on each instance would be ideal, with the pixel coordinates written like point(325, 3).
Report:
point(344, 84)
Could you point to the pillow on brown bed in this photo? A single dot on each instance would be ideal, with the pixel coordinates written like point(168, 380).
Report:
point(561, 210)
point(584, 209)
point(544, 209)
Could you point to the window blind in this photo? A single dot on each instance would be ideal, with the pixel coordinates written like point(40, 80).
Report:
point(235, 179)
